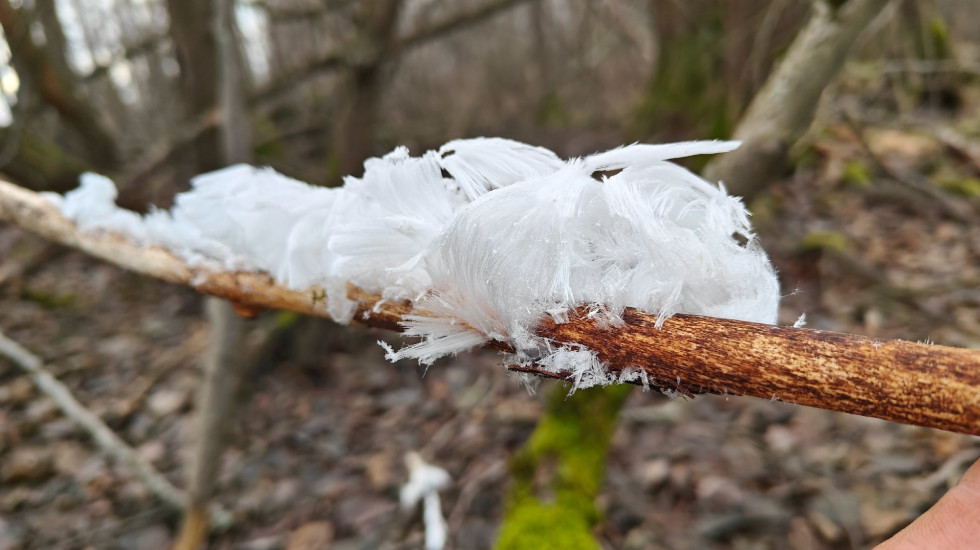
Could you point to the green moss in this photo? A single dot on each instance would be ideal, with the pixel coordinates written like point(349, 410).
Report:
point(938, 33)
point(856, 173)
point(804, 157)
point(286, 319)
point(48, 299)
point(551, 110)
point(558, 473)
point(271, 150)
point(966, 187)
point(821, 240)
point(334, 175)
point(542, 527)
point(764, 209)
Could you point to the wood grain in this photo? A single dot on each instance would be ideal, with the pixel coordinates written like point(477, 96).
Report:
point(920, 384)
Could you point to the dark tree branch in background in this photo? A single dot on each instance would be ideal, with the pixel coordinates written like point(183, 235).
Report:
point(138, 48)
point(920, 384)
point(366, 54)
point(294, 78)
point(287, 14)
point(160, 154)
point(197, 53)
point(41, 164)
point(55, 88)
point(345, 57)
point(55, 42)
point(784, 108)
point(454, 23)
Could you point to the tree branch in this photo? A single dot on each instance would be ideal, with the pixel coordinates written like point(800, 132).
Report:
point(294, 77)
point(783, 109)
point(340, 58)
point(104, 437)
point(919, 384)
point(55, 88)
point(294, 13)
point(453, 23)
point(143, 46)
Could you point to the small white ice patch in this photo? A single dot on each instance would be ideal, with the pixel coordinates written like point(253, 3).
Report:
point(486, 236)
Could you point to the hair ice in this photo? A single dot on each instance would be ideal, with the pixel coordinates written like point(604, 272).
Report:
point(486, 235)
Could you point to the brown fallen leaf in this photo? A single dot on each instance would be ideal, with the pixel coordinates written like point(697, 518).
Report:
point(316, 535)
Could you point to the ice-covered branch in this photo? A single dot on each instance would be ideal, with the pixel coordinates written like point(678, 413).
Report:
point(248, 290)
point(575, 272)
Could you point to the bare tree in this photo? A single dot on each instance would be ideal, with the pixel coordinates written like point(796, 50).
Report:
point(55, 88)
point(782, 111)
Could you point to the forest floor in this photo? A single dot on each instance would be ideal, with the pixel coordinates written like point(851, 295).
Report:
point(877, 232)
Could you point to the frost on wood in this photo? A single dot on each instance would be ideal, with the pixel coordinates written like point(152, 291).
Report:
point(487, 236)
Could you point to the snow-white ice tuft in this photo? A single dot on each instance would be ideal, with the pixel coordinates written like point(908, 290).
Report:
point(487, 236)
point(424, 483)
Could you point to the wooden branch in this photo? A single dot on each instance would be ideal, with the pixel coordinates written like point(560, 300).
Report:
point(104, 437)
point(911, 383)
point(34, 213)
point(919, 384)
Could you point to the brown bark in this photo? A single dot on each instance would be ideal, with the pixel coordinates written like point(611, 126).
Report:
point(919, 384)
point(783, 109)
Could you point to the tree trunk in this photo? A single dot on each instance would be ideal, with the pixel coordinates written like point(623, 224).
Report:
point(354, 135)
point(35, 66)
point(197, 54)
point(783, 109)
point(210, 75)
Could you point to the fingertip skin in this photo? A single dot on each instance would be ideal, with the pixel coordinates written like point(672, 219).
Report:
point(952, 524)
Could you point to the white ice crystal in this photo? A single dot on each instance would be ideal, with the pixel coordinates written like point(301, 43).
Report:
point(487, 236)
point(424, 483)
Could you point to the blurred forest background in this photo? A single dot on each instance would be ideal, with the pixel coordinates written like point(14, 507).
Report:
point(874, 225)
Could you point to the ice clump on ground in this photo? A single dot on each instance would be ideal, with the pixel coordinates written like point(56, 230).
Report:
point(485, 235)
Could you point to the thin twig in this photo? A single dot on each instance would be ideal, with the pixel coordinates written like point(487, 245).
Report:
point(918, 384)
point(104, 437)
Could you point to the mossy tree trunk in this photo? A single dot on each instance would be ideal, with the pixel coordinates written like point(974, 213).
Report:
point(558, 473)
